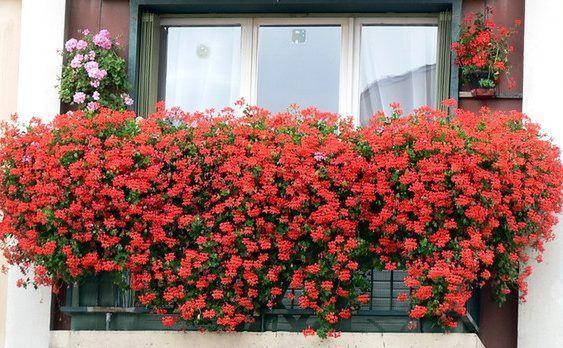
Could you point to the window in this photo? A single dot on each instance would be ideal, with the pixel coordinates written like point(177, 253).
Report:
point(355, 66)
point(203, 66)
point(397, 64)
point(298, 64)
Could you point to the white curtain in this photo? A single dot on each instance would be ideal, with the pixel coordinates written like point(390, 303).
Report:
point(203, 67)
point(397, 64)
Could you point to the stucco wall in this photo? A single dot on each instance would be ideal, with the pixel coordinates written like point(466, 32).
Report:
point(9, 48)
point(541, 317)
point(161, 339)
point(10, 11)
point(28, 311)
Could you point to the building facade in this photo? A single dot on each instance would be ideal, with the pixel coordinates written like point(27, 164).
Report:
point(155, 36)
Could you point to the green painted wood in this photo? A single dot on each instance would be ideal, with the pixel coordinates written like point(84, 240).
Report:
point(99, 296)
point(473, 310)
point(148, 64)
point(107, 291)
point(454, 75)
point(443, 78)
point(88, 293)
point(88, 322)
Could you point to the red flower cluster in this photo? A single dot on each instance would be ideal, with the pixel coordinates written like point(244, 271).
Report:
point(215, 216)
point(483, 48)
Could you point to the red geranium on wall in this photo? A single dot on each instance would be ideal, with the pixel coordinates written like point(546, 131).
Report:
point(215, 216)
point(483, 49)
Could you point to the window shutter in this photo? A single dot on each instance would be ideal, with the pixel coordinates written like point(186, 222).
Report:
point(148, 64)
point(443, 58)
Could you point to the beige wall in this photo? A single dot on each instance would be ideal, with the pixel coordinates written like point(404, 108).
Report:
point(3, 294)
point(540, 318)
point(28, 310)
point(171, 339)
point(10, 11)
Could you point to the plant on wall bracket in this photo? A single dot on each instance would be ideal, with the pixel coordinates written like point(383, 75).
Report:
point(94, 75)
point(482, 52)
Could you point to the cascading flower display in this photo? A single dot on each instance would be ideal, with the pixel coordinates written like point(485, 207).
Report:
point(94, 75)
point(215, 215)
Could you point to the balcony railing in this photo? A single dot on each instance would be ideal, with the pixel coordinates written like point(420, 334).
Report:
point(97, 304)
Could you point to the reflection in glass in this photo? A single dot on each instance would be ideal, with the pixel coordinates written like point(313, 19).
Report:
point(203, 67)
point(298, 65)
point(397, 64)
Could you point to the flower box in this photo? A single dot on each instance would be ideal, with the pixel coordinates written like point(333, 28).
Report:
point(483, 93)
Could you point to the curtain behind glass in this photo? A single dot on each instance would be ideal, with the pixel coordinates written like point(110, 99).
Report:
point(397, 64)
point(203, 67)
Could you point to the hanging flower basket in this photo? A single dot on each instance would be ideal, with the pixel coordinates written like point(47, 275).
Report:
point(482, 53)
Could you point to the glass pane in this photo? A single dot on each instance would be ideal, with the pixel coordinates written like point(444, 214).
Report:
point(203, 67)
point(397, 64)
point(300, 65)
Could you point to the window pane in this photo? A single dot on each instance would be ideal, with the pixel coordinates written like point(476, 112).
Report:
point(203, 67)
point(300, 65)
point(397, 64)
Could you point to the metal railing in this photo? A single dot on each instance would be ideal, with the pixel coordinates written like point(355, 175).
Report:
point(97, 304)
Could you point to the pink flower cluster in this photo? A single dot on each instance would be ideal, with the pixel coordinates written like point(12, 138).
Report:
point(74, 44)
point(94, 71)
point(102, 39)
point(79, 97)
point(85, 58)
point(127, 99)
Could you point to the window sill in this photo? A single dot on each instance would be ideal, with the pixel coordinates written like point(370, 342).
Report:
point(467, 95)
point(93, 339)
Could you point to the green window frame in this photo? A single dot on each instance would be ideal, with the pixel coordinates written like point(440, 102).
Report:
point(145, 32)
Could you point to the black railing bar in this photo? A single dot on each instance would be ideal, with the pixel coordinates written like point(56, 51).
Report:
point(98, 282)
point(391, 292)
point(100, 309)
point(371, 292)
point(293, 298)
point(75, 295)
point(281, 311)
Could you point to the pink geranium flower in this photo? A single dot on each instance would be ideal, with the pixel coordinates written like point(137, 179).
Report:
point(79, 97)
point(93, 106)
point(102, 39)
point(77, 61)
point(70, 45)
point(127, 99)
point(81, 44)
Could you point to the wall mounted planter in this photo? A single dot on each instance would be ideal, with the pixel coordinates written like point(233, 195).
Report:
point(483, 93)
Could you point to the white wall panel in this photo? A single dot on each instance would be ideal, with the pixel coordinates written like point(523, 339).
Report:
point(540, 319)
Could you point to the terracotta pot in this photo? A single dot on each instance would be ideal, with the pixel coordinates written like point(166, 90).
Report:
point(483, 92)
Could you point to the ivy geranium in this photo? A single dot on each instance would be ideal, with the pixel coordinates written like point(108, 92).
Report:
point(483, 49)
point(94, 75)
point(215, 216)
